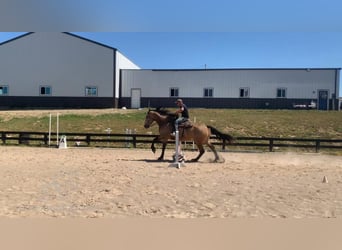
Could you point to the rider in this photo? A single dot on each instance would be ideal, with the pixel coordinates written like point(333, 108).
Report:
point(183, 110)
point(184, 116)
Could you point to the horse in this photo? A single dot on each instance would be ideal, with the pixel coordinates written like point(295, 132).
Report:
point(198, 133)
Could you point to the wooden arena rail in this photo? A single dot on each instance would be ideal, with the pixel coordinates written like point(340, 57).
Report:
point(273, 143)
point(144, 140)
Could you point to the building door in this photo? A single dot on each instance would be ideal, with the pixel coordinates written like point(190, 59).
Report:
point(323, 100)
point(135, 98)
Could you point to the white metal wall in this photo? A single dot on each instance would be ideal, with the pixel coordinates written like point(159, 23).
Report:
point(66, 63)
point(263, 83)
point(122, 62)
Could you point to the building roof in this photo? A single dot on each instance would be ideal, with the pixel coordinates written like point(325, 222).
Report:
point(67, 33)
point(218, 69)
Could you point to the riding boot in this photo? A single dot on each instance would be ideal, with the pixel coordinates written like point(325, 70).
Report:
point(175, 127)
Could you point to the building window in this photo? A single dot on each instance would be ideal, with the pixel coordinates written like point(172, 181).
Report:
point(208, 92)
point(174, 92)
point(3, 90)
point(281, 93)
point(91, 91)
point(45, 90)
point(244, 92)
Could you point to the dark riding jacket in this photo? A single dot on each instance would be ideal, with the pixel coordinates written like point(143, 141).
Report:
point(185, 112)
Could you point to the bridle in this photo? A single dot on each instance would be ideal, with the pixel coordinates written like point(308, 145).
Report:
point(153, 123)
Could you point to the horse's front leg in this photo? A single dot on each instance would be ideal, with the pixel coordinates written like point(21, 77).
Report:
point(161, 157)
point(153, 148)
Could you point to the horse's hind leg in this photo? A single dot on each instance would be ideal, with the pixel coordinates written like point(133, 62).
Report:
point(201, 152)
point(211, 146)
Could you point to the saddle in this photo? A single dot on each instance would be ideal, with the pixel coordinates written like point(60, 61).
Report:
point(186, 124)
point(182, 126)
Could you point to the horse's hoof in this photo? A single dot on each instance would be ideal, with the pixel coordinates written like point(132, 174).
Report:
point(194, 160)
point(160, 159)
point(218, 160)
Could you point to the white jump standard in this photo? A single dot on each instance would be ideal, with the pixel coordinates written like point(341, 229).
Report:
point(178, 157)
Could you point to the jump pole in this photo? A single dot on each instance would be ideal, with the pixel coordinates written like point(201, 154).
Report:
point(50, 130)
point(57, 132)
point(176, 163)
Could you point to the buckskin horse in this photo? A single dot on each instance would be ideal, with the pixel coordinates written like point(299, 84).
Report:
point(198, 133)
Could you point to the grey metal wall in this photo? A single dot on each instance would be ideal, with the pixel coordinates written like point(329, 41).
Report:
point(263, 83)
point(302, 86)
point(64, 62)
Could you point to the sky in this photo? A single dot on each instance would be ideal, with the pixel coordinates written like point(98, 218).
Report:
point(187, 34)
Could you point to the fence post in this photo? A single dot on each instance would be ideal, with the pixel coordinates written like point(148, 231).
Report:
point(88, 139)
point(224, 145)
point(134, 138)
point(24, 138)
point(318, 145)
point(3, 137)
point(134, 141)
point(271, 145)
point(46, 139)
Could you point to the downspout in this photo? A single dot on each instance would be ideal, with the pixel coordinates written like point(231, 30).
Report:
point(115, 104)
point(335, 96)
point(120, 89)
point(337, 87)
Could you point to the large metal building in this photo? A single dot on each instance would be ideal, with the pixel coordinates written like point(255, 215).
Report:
point(62, 70)
point(232, 88)
point(59, 69)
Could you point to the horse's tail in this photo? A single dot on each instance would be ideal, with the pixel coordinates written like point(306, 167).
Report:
point(221, 135)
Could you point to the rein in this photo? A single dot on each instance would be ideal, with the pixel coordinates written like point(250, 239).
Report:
point(155, 122)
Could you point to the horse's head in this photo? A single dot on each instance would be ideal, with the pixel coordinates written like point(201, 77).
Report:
point(158, 116)
point(149, 119)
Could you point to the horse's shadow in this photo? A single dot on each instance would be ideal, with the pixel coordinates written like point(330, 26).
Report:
point(171, 161)
point(153, 160)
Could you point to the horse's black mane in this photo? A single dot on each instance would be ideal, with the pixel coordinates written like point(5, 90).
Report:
point(164, 111)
